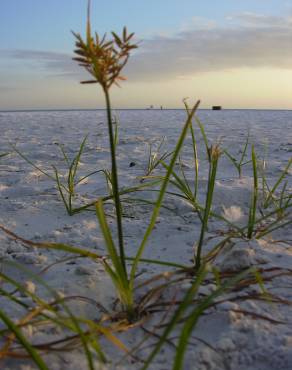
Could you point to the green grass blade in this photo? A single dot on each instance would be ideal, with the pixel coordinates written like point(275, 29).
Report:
point(68, 205)
point(244, 150)
point(185, 180)
point(161, 194)
point(86, 176)
point(206, 142)
point(121, 192)
point(75, 323)
point(272, 228)
point(32, 164)
point(177, 315)
point(195, 315)
point(253, 206)
point(179, 183)
point(196, 161)
point(76, 160)
point(118, 275)
point(66, 159)
point(111, 248)
point(233, 160)
point(158, 262)
point(214, 157)
point(278, 182)
point(23, 341)
point(4, 154)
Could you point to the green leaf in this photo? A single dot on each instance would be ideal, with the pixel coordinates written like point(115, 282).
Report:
point(23, 341)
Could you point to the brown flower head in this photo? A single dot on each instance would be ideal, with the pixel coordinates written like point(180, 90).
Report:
point(215, 152)
point(103, 59)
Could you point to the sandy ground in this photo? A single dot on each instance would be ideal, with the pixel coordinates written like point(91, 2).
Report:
point(237, 334)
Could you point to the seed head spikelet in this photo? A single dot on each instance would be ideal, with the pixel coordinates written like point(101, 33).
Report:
point(215, 152)
point(103, 59)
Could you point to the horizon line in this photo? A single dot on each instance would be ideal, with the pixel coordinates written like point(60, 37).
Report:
point(121, 109)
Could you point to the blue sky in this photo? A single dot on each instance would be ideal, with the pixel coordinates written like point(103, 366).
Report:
point(46, 25)
point(36, 47)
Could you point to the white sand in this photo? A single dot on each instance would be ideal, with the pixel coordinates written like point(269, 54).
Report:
point(30, 206)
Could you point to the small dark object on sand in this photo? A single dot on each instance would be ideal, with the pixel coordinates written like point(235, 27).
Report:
point(132, 164)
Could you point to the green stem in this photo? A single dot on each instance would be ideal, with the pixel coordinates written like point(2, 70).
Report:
point(253, 206)
point(162, 193)
point(207, 211)
point(196, 160)
point(115, 183)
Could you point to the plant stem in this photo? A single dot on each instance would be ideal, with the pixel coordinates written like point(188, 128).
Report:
point(115, 183)
point(209, 198)
point(196, 162)
point(162, 193)
point(253, 206)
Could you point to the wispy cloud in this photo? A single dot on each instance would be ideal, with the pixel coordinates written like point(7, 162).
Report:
point(6, 88)
point(259, 20)
point(254, 41)
point(248, 40)
point(54, 63)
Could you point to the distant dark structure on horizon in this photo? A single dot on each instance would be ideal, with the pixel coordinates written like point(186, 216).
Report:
point(216, 107)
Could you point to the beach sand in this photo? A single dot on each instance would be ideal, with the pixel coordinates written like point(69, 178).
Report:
point(241, 332)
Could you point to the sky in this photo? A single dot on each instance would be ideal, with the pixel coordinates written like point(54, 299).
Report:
point(234, 53)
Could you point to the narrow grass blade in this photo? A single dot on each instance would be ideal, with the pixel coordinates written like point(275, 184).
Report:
point(195, 315)
point(253, 206)
point(76, 160)
point(278, 182)
point(214, 157)
point(31, 163)
point(74, 326)
point(23, 341)
point(161, 194)
point(66, 159)
point(115, 258)
point(196, 161)
point(4, 154)
point(68, 205)
point(206, 142)
point(177, 315)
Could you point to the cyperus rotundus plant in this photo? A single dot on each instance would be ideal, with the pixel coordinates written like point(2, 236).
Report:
point(104, 60)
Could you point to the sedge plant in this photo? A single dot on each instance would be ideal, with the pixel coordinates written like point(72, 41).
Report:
point(254, 200)
point(65, 184)
point(155, 158)
point(214, 155)
point(261, 221)
point(104, 60)
point(123, 281)
point(276, 195)
point(182, 184)
point(179, 181)
point(270, 221)
point(239, 163)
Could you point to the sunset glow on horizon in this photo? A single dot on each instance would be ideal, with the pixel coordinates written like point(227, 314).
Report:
point(234, 55)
